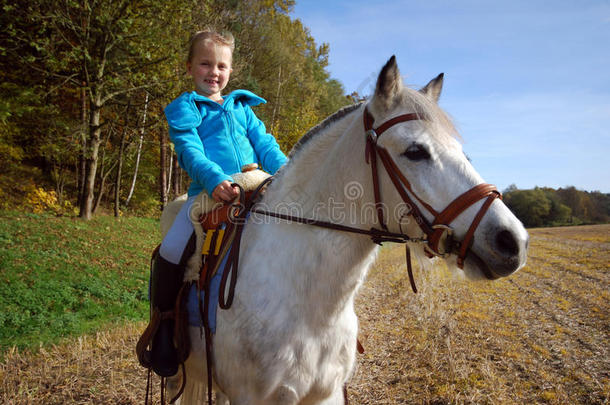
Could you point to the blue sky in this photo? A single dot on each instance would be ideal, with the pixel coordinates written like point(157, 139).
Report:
point(527, 82)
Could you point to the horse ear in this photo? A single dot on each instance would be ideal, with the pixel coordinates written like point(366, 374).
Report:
point(389, 82)
point(433, 89)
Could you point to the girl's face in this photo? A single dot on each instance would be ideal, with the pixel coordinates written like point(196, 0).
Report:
point(210, 67)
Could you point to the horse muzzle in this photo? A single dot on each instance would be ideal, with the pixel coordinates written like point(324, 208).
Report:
point(501, 252)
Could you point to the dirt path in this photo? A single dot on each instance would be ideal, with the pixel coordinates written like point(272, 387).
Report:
point(540, 336)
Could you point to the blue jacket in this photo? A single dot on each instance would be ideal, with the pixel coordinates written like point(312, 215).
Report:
point(215, 140)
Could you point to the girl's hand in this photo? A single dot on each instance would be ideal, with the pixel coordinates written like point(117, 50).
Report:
point(224, 192)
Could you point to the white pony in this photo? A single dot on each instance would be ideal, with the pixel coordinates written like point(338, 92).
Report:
point(290, 336)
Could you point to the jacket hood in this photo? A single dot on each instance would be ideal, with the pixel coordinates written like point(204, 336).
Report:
point(183, 113)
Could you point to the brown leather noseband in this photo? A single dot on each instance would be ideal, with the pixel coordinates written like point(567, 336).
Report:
point(439, 235)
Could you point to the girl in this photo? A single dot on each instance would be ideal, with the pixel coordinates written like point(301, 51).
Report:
point(214, 136)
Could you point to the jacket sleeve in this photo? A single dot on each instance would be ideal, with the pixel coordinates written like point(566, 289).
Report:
point(183, 118)
point(267, 150)
point(192, 158)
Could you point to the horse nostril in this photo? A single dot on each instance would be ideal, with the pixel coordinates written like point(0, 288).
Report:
point(507, 243)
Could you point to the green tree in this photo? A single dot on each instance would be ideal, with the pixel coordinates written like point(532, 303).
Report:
point(530, 206)
point(559, 214)
point(565, 206)
point(600, 207)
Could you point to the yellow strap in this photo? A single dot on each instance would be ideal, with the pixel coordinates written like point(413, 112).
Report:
point(221, 233)
point(207, 242)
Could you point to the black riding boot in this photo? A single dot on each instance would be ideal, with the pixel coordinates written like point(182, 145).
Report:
point(166, 280)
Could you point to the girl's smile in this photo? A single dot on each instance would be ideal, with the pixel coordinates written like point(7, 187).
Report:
point(210, 68)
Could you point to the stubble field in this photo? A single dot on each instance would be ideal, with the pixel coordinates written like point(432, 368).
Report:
point(540, 336)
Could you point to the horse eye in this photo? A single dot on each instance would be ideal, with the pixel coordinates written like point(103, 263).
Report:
point(416, 152)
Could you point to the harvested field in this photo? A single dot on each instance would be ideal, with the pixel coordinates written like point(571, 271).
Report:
point(540, 336)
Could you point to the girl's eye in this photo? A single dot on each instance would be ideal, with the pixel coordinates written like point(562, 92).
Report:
point(416, 152)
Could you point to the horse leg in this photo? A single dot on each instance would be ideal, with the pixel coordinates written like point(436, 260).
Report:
point(221, 399)
point(337, 398)
point(173, 384)
point(195, 393)
point(283, 395)
point(195, 390)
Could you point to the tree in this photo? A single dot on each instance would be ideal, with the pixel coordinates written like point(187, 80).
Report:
point(530, 206)
point(559, 213)
point(163, 169)
point(106, 47)
point(510, 189)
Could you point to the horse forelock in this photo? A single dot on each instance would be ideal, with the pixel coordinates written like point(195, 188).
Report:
point(436, 120)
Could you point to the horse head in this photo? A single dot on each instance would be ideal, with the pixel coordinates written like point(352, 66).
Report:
point(438, 182)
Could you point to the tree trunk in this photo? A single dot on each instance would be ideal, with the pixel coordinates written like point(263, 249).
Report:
point(177, 178)
point(101, 191)
point(163, 170)
point(117, 187)
point(91, 155)
point(276, 107)
point(169, 175)
point(135, 171)
point(80, 173)
point(59, 175)
point(102, 175)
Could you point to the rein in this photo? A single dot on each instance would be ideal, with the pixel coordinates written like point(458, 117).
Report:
point(438, 235)
point(378, 236)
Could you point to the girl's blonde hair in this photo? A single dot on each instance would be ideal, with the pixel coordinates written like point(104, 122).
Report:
point(224, 38)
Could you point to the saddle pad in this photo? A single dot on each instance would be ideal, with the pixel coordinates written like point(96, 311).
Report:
point(192, 304)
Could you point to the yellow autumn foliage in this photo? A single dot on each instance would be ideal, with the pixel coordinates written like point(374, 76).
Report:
point(39, 200)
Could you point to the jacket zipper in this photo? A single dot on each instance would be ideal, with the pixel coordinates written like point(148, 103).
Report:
point(236, 153)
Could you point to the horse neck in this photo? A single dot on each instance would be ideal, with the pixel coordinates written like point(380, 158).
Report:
point(333, 263)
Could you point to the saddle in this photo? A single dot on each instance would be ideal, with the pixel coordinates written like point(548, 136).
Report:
point(206, 215)
point(216, 226)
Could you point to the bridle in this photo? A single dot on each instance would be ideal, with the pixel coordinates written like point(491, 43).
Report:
point(438, 234)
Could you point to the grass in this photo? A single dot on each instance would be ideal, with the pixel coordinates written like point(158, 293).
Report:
point(61, 276)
